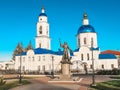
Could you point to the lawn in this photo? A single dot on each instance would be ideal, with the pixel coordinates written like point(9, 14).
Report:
point(13, 84)
point(109, 85)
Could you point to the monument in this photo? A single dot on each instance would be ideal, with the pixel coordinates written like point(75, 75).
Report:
point(65, 62)
point(65, 76)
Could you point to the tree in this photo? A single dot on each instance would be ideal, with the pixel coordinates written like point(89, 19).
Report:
point(29, 47)
point(18, 50)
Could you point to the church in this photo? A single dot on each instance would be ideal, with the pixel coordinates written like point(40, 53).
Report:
point(84, 58)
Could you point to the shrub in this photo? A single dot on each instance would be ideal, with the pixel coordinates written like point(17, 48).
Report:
point(2, 81)
point(108, 72)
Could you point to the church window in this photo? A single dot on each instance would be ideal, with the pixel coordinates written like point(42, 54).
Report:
point(39, 68)
point(48, 44)
point(82, 57)
point(33, 58)
point(88, 57)
point(112, 66)
point(102, 66)
point(91, 66)
point(47, 30)
point(43, 68)
point(92, 42)
point(40, 30)
point(40, 45)
point(85, 41)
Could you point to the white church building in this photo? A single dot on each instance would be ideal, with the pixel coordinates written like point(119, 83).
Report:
point(43, 59)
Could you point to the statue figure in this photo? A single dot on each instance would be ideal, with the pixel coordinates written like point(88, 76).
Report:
point(66, 56)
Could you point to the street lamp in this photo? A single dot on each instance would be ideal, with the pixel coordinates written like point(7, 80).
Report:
point(52, 72)
point(93, 74)
point(20, 74)
point(20, 77)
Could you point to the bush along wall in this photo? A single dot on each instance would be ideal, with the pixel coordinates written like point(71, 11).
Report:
point(108, 72)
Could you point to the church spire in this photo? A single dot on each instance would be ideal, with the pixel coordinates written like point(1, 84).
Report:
point(85, 19)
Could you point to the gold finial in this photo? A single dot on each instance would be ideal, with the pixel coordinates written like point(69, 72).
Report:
point(42, 7)
point(85, 15)
point(43, 10)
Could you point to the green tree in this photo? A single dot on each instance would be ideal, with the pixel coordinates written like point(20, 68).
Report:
point(18, 50)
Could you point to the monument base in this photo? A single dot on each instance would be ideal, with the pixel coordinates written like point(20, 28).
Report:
point(65, 71)
point(65, 77)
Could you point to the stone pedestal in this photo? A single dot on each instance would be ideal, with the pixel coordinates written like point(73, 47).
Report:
point(65, 71)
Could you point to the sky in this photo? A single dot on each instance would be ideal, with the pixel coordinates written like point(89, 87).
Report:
point(18, 20)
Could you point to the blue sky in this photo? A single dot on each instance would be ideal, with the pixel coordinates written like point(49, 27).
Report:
point(18, 20)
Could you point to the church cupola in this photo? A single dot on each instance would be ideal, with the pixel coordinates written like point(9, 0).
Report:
point(86, 33)
point(42, 38)
point(42, 16)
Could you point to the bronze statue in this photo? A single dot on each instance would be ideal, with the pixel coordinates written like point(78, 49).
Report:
point(66, 55)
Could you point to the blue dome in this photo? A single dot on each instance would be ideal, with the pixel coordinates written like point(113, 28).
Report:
point(86, 29)
point(43, 14)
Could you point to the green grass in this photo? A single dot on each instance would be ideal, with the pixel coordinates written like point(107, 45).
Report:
point(115, 77)
point(109, 85)
point(13, 84)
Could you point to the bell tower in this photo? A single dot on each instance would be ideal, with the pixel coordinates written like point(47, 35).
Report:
point(42, 37)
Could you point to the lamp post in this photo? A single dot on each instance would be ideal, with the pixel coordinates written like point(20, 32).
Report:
point(93, 73)
point(52, 67)
point(20, 77)
point(77, 67)
point(20, 74)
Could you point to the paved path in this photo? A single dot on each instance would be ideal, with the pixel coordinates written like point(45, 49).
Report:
point(42, 84)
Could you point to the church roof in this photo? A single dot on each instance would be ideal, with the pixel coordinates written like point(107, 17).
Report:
point(111, 52)
point(76, 50)
point(43, 14)
point(86, 29)
point(107, 56)
point(45, 51)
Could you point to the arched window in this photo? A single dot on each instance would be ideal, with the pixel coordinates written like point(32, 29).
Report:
point(47, 44)
point(39, 68)
point(92, 42)
point(91, 66)
point(40, 30)
point(85, 41)
point(43, 68)
point(33, 58)
point(88, 57)
point(102, 66)
point(112, 66)
point(47, 30)
point(40, 45)
point(81, 56)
